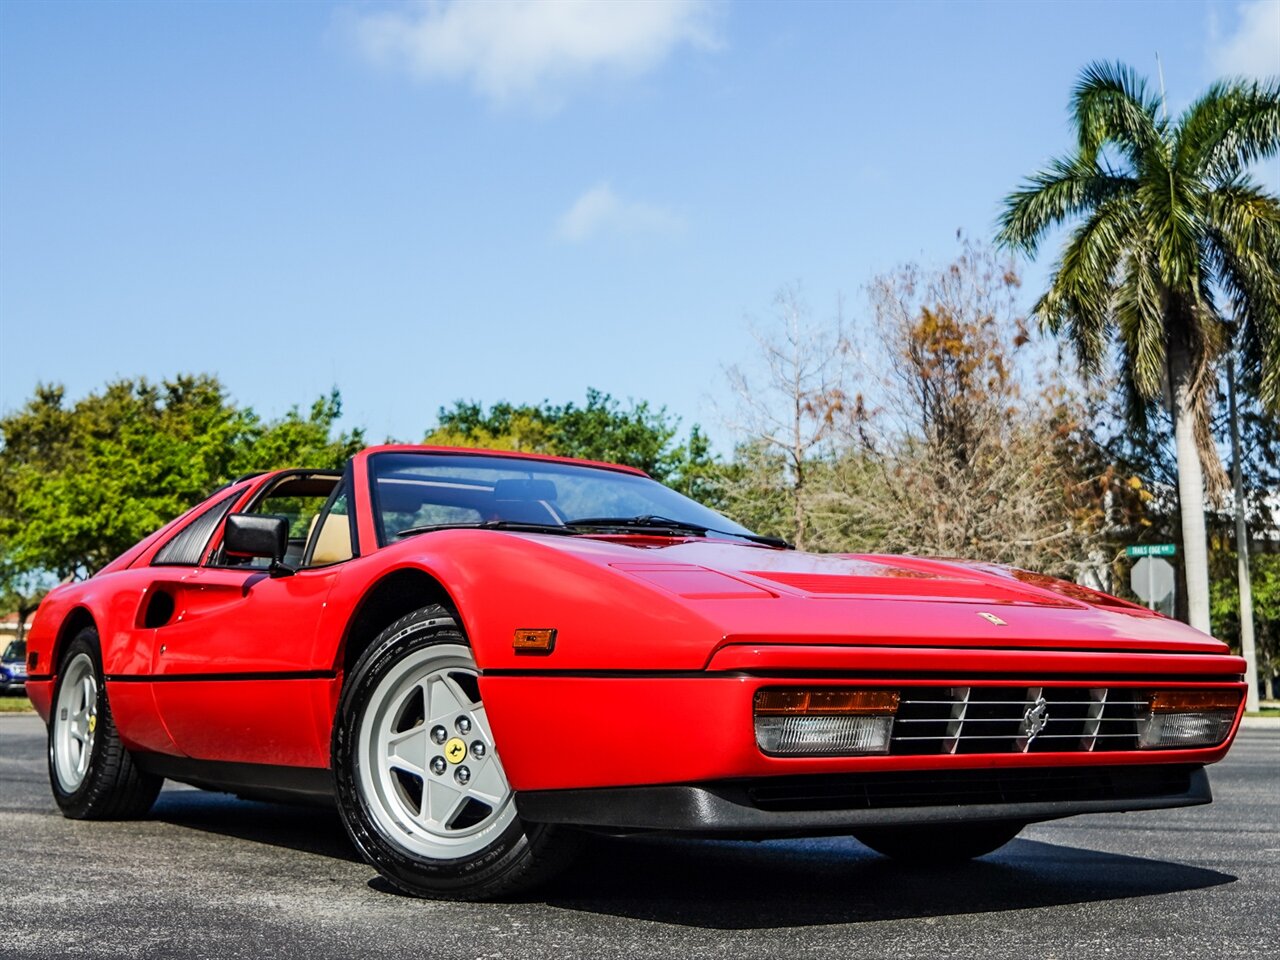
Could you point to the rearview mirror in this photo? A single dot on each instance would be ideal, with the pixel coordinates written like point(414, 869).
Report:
point(249, 535)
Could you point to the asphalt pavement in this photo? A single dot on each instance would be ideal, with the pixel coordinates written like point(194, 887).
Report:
point(211, 876)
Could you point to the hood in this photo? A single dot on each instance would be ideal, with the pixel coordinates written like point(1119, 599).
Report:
point(754, 594)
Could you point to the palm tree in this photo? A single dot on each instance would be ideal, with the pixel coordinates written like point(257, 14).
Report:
point(1169, 232)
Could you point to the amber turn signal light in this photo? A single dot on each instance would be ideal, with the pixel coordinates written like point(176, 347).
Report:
point(534, 641)
point(825, 703)
point(1194, 701)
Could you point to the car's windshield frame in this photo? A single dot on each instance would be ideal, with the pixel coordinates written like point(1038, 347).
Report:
point(636, 494)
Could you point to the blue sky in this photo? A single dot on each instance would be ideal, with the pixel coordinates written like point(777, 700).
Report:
point(420, 203)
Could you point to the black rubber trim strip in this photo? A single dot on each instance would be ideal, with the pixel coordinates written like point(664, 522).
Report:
point(256, 780)
point(612, 674)
point(194, 677)
point(961, 647)
point(896, 675)
point(726, 808)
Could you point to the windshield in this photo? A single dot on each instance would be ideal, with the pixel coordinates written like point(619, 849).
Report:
point(17, 650)
point(414, 490)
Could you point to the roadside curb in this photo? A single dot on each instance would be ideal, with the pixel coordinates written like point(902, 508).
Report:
point(1263, 723)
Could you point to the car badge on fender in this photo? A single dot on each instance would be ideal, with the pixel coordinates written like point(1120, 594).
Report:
point(992, 618)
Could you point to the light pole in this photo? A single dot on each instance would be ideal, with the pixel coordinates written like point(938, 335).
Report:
point(1242, 546)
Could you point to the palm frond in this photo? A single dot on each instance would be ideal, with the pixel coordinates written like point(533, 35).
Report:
point(1139, 314)
point(1111, 105)
point(1171, 209)
point(1067, 188)
point(1233, 126)
point(1249, 275)
point(1242, 212)
point(1078, 301)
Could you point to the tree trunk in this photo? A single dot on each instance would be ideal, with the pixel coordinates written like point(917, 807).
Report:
point(798, 518)
point(1195, 552)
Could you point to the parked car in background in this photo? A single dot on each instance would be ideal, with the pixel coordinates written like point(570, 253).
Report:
point(476, 655)
point(13, 668)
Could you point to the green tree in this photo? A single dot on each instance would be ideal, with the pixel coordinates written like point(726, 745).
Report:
point(1266, 608)
point(1170, 232)
point(296, 440)
point(81, 482)
point(603, 429)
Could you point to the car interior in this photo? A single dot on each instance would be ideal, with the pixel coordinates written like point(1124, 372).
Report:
point(315, 505)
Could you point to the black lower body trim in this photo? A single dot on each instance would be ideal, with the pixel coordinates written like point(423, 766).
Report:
point(220, 677)
point(783, 806)
point(256, 781)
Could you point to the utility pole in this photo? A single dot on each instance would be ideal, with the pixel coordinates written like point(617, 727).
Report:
point(1242, 546)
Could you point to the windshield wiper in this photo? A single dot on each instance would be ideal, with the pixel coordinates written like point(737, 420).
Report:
point(516, 525)
point(653, 522)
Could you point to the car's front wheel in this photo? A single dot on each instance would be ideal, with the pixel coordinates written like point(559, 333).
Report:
point(420, 785)
point(93, 775)
point(939, 843)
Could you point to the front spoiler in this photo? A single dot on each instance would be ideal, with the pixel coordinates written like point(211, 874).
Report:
point(787, 806)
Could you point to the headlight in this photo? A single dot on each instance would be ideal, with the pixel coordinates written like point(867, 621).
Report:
point(824, 722)
point(1188, 718)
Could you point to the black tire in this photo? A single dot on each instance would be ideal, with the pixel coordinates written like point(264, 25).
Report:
point(112, 788)
point(520, 856)
point(940, 843)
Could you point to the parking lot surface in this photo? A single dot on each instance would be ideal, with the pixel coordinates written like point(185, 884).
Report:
point(208, 875)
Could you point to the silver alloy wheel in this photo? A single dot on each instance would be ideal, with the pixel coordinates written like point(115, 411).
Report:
point(428, 770)
point(75, 721)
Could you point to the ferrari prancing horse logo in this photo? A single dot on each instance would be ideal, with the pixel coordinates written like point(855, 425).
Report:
point(455, 751)
point(1035, 719)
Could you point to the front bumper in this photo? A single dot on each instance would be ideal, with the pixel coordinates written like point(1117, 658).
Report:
point(787, 806)
point(570, 730)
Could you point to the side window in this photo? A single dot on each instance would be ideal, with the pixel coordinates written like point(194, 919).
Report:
point(299, 500)
point(186, 547)
point(331, 538)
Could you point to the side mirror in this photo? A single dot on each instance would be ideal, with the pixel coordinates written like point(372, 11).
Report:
point(249, 535)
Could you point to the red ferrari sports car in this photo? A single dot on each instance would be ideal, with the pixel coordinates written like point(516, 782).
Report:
point(478, 654)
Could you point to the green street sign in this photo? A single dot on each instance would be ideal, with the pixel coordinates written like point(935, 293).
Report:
point(1151, 550)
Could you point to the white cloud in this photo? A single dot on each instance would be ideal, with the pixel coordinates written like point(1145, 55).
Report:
point(1253, 48)
point(530, 50)
point(600, 210)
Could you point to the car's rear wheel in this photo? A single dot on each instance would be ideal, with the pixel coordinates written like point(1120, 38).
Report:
point(93, 775)
point(420, 784)
point(940, 843)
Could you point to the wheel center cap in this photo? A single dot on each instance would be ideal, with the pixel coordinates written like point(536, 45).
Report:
point(455, 751)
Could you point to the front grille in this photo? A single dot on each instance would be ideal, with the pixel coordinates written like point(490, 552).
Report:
point(1000, 719)
point(968, 787)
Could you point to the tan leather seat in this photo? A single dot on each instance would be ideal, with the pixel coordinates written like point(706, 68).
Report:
point(334, 543)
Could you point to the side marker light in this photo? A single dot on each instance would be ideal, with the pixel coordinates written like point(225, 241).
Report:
point(534, 641)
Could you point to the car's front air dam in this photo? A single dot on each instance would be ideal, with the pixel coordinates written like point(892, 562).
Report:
point(841, 804)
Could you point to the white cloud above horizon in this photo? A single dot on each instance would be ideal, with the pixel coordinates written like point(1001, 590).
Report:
point(529, 50)
point(1251, 47)
point(599, 210)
